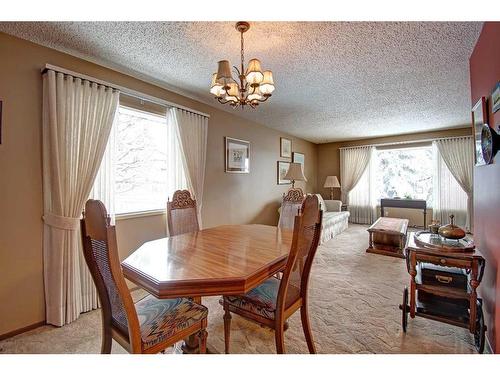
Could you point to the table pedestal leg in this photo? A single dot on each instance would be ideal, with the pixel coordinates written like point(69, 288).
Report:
point(191, 345)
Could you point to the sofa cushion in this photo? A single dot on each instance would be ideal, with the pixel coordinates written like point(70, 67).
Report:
point(333, 223)
point(333, 205)
point(334, 217)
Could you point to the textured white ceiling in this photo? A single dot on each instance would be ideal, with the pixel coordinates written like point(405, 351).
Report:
point(334, 80)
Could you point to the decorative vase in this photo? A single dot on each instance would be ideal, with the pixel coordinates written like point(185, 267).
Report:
point(451, 231)
point(434, 227)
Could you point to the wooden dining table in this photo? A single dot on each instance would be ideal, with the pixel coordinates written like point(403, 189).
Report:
point(223, 260)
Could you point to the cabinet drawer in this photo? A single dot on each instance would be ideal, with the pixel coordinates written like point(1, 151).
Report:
point(444, 261)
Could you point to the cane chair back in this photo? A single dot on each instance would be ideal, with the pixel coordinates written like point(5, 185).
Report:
point(306, 234)
point(290, 206)
point(273, 301)
point(101, 254)
point(182, 216)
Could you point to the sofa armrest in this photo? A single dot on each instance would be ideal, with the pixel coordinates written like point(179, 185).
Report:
point(333, 205)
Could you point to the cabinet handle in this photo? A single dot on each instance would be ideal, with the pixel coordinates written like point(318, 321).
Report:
point(444, 279)
point(443, 261)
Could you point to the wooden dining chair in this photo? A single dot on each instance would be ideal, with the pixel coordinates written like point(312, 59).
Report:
point(148, 326)
point(290, 206)
point(182, 216)
point(274, 301)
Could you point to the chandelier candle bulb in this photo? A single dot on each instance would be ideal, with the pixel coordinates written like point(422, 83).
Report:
point(251, 85)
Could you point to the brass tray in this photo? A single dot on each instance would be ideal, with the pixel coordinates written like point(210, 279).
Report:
point(428, 240)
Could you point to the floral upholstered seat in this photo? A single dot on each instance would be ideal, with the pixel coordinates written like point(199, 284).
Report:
point(261, 300)
point(163, 318)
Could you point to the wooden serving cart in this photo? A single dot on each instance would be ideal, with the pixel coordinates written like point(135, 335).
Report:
point(444, 276)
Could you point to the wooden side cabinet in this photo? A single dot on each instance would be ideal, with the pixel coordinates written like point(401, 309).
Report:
point(444, 300)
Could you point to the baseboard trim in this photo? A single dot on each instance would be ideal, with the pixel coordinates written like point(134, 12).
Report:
point(21, 330)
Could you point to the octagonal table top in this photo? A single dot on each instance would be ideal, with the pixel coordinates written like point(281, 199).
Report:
point(224, 260)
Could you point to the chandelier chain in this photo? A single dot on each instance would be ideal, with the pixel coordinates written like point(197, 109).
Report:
point(242, 53)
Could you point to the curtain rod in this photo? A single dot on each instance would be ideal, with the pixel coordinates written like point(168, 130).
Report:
point(125, 90)
point(407, 142)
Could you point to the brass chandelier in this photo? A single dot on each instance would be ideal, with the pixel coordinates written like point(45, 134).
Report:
point(252, 85)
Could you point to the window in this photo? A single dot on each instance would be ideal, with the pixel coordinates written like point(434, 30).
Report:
point(405, 173)
point(145, 166)
point(413, 172)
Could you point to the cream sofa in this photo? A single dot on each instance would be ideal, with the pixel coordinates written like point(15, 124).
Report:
point(335, 220)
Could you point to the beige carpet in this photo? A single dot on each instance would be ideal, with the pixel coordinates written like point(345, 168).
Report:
point(354, 300)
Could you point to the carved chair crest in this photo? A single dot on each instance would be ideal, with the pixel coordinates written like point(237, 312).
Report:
point(294, 195)
point(182, 199)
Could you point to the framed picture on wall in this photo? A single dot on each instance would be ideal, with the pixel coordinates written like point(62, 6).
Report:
point(479, 118)
point(237, 155)
point(282, 169)
point(285, 147)
point(299, 158)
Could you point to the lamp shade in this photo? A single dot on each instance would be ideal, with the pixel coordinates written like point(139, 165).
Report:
point(267, 84)
point(232, 92)
point(295, 173)
point(215, 87)
point(331, 182)
point(255, 94)
point(254, 73)
point(224, 72)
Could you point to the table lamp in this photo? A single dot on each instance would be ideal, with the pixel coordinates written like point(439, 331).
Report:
point(331, 182)
point(295, 173)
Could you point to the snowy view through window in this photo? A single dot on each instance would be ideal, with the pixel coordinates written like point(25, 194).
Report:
point(404, 173)
point(140, 161)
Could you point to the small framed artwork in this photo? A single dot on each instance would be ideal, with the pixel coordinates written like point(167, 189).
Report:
point(237, 155)
point(299, 158)
point(285, 147)
point(495, 98)
point(479, 118)
point(282, 170)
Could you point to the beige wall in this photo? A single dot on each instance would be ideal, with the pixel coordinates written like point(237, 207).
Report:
point(228, 198)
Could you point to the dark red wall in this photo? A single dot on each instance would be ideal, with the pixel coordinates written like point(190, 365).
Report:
point(484, 74)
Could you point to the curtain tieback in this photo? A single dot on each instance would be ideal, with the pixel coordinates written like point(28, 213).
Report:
point(61, 222)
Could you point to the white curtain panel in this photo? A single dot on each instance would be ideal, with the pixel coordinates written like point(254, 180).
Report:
point(77, 120)
point(176, 178)
point(104, 183)
point(362, 207)
point(454, 157)
point(353, 162)
point(103, 190)
point(192, 130)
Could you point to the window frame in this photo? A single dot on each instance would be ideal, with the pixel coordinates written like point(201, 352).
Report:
point(406, 147)
point(141, 213)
